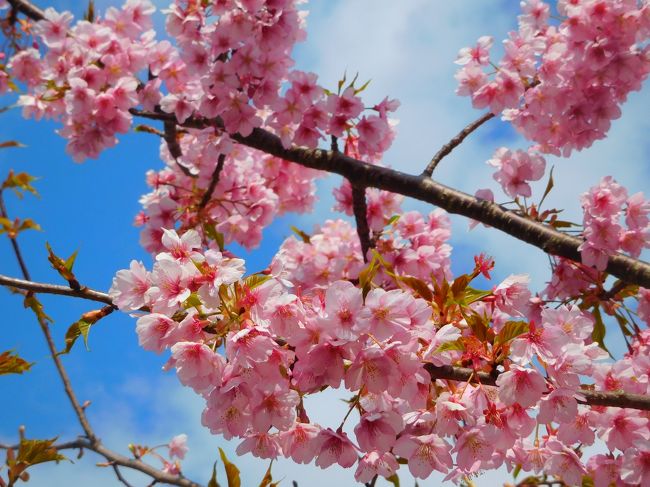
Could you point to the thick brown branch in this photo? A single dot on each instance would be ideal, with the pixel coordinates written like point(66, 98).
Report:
point(360, 209)
point(592, 398)
point(446, 149)
point(425, 189)
point(28, 9)
point(213, 181)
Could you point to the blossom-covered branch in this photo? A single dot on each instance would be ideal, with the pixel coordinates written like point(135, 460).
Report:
point(460, 374)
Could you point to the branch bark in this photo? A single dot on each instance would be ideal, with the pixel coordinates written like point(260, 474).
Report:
point(425, 189)
point(28, 9)
point(446, 372)
point(360, 209)
point(213, 182)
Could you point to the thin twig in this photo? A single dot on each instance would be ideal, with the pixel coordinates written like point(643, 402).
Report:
point(446, 149)
point(360, 209)
point(37, 287)
point(91, 441)
point(79, 411)
point(119, 476)
point(213, 182)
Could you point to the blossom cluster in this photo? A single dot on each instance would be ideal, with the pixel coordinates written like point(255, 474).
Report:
point(515, 169)
point(562, 84)
point(87, 76)
point(603, 207)
point(255, 347)
point(252, 189)
point(231, 61)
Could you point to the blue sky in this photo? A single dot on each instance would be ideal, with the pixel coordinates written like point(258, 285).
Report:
point(407, 48)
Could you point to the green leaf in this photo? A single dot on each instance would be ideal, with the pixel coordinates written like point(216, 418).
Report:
point(11, 363)
point(19, 183)
point(598, 335)
point(458, 288)
point(255, 280)
point(63, 267)
point(393, 479)
point(419, 286)
point(362, 88)
point(511, 330)
point(304, 236)
point(33, 452)
point(213, 480)
point(32, 302)
point(232, 472)
point(563, 224)
point(342, 81)
point(517, 471)
point(212, 233)
point(392, 220)
point(268, 478)
point(77, 329)
point(11, 143)
point(472, 295)
point(457, 344)
point(28, 224)
point(69, 262)
point(549, 187)
point(479, 325)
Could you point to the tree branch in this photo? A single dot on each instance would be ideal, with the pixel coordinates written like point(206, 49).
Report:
point(425, 189)
point(37, 287)
point(445, 372)
point(28, 9)
point(360, 209)
point(171, 138)
point(213, 182)
point(121, 461)
point(446, 149)
point(592, 398)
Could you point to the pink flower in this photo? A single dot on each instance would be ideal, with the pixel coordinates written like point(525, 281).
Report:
point(515, 169)
point(178, 446)
point(335, 448)
point(299, 442)
point(636, 464)
point(378, 431)
point(129, 288)
point(522, 386)
point(480, 54)
point(424, 454)
point(261, 445)
point(156, 332)
point(375, 463)
point(474, 447)
point(197, 365)
point(564, 463)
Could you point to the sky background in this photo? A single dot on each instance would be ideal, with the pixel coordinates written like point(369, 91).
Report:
point(407, 48)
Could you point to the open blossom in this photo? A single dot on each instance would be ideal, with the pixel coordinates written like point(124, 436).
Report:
point(335, 447)
point(521, 385)
point(425, 454)
point(564, 463)
point(515, 169)
point(129, 288)
point(178, 446)
point(196, 365)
